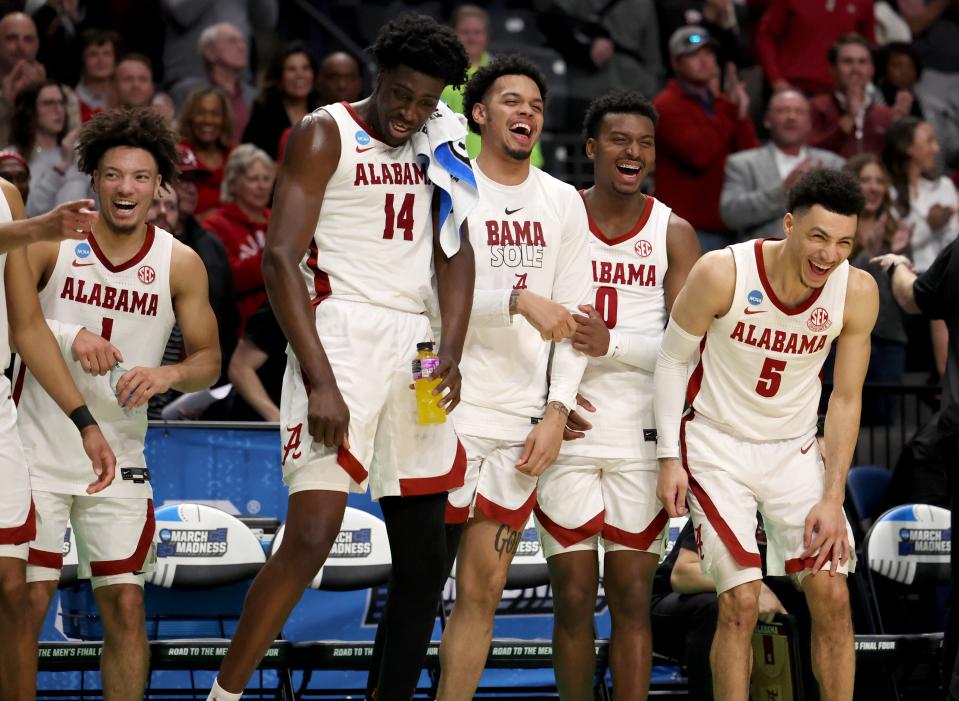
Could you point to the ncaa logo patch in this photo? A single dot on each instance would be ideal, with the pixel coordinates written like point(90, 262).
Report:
point(146, 274)
point(818, 320)
point(755, 297)
point(643, 248)
point(82, 250)
point(362, 138)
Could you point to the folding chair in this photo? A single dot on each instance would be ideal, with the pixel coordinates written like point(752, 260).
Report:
point(866, 486)
point(907, 554)
point(359, 559)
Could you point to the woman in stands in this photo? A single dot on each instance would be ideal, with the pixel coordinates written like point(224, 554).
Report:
point(41, 133)
point(242, 220)
point(206, 126)
point(286, 96)
point(880, 232)
point(925, 203)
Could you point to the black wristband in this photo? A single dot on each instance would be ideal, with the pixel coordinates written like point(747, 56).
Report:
point(891, 270)
point(81, 417)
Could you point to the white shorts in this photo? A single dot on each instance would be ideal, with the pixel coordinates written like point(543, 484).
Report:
point(730, 479)
point(370, 350)
point(114, 538)
point(581, 499)
point(17, 514)
point(493, 485)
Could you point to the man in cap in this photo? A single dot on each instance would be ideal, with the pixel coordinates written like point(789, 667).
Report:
point(699, 127)
point(210, 249)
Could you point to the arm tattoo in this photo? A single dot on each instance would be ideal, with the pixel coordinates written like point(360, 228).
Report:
point(558, 406)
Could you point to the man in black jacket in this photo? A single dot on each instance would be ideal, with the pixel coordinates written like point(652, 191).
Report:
point(935, 294)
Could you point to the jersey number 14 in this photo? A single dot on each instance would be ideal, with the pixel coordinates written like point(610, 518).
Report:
point(401, 219)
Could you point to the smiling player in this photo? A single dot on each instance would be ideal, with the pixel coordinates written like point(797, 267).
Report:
point(353, 192)
point(604, 484)
point(529, 236)
point(764, 314)
point(113, 298)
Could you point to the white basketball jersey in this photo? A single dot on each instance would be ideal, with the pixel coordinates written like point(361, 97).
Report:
point(759, 371)
point(530, 236)
point(374, 236)
point(5, 216)
point(130, 305)
point(628, 274)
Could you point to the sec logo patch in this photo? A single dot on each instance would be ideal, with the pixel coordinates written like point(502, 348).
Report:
point(146, 274)
point(643, 248)
point(818, 320)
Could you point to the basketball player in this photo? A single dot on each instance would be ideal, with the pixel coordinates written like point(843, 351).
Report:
point(604, 485)
point(114, 298)
point(352, 191)
point(38, 348)
point(764, 314)
point(529, 236)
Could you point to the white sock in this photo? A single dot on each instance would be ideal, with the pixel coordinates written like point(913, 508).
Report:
point(218, 694)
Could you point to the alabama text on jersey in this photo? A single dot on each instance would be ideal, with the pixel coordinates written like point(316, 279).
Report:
point(374, 237)
point(628, 274)
point(131, 306)
point(759, 372)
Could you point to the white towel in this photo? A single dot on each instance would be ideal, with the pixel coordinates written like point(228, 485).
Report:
point(441, 144)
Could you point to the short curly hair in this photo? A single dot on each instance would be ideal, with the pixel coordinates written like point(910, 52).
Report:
point(479, 84)
point(617, 102)
point(423, 44)
point(136, 127)
point(833, 190)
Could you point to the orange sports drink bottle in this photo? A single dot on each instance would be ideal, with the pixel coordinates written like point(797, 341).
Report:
point(428, 409)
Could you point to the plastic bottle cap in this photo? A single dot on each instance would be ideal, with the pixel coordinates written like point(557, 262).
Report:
point(424, 345)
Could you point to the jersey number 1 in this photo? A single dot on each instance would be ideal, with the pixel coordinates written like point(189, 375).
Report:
point(770, 377)
point(401, 220)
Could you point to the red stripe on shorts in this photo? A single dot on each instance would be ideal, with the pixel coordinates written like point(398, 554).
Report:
point(570, 536)
point(134, 563)
point(23, 533)
point(798, 564)
point(742, 556)
point(415, 486)
point(354, 468)
point(641, 540)
point(18, 383)
point(514, 518)
point(43, 558)
point(456, 514)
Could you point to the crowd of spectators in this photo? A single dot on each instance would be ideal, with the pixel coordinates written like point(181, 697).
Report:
point(751, 95)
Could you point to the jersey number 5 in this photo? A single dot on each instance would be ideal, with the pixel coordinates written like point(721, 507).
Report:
point(770, 377)
point(401, 220)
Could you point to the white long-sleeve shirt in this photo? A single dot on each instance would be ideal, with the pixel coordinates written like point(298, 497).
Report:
point(926, 242)
point(532, 237)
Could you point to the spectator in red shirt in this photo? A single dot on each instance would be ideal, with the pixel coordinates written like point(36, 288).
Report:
point(242, 220)
point(206, 126)
point(852, 118)
point(794, 37)
point(698, 129)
